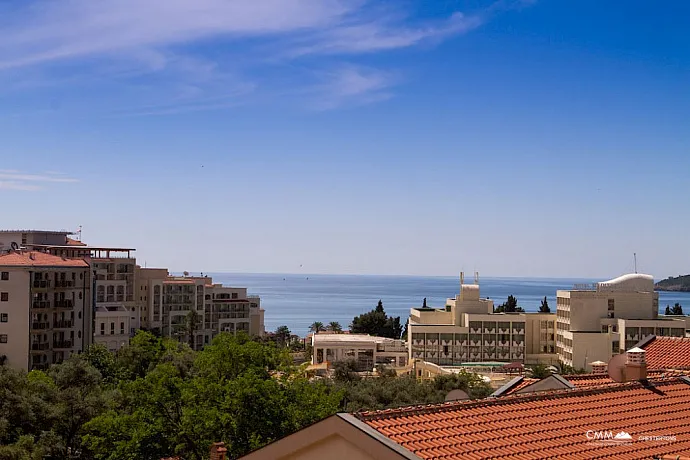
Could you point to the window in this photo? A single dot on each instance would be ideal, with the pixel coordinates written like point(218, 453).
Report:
point(4, 276)
point(112, 328)
point(611, 304)
point(122, 328)
point(3, 338)
point(3, 317)
point(79, 334)
point(80, 296)
point(102, 328)
point(4, 297)
point(234, 295)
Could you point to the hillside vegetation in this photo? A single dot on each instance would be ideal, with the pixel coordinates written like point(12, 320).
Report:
point(678, 283)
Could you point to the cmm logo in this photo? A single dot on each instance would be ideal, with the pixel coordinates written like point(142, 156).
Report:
point(607, 437)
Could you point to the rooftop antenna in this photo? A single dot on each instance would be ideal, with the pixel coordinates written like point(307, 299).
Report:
point(79, 233)
point(635, 260)
point(476, 277)
point(462, 278)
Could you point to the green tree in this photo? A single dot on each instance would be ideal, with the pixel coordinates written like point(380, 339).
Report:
point(282, 336)
point(544, 308)
point(316, 327)
point(403, 336)
point(104, 361)
point(424, 303)
point(346, 371)
point(510, 306)
point(677, 309)
point(192, 327)
point(334, 326)
point(539, 371)
point(377, 323)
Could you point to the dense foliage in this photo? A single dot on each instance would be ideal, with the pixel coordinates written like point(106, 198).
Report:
point(157, 398)
point(509, 306)
point(377, 323)
point(677, 309)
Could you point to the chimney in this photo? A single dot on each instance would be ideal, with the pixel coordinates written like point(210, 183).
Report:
point(635, 365)
point(218, 451)
point(598, 367)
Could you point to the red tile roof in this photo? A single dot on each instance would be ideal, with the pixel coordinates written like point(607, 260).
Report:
point(546, 425)
point(668, 353)
point(72, 242)
point(38, 259)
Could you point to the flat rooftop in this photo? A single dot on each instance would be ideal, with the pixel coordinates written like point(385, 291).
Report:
point(351, 338)
point(44, 232)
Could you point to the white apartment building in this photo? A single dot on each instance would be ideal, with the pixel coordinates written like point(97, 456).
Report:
point(45, 308)
point(596, 321)
point(168, 300)
point(467, 330)
point(367, 351)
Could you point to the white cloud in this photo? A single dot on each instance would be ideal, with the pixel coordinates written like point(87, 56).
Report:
point(352, 85)
point(121, 40)
point(16, 180)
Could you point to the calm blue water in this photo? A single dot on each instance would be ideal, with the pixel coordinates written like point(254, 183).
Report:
point(296, 301)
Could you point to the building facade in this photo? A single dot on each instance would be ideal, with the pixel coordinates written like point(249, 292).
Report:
point(467, 330)
point(365, 350)
point(597, 321)
point(45, 308)
point(167, 302)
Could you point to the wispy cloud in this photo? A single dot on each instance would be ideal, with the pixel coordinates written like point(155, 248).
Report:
point(16, 180)
point(164, 40)
point(352, 86)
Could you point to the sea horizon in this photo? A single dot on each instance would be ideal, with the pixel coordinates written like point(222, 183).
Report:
point(297, 300)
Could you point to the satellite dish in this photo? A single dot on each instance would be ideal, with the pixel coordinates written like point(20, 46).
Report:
point(14, 245)
point(457, 395)
point(616, 367)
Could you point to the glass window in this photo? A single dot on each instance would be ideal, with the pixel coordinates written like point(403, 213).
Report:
point(4, 297)
point(112, 328)
point(3, 317)
point(4, 276)
point(3, 338)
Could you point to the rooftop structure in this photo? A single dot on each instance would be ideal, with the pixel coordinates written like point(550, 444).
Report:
point(366, 350)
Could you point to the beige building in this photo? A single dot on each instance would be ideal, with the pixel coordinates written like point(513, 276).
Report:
point(166, 302)
point(596, 321)
point(467, 330)
point(366, 350)
point(45, 308)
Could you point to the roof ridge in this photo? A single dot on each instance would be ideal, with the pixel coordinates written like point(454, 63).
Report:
point(514, 398)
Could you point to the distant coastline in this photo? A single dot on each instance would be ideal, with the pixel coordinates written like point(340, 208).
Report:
point(674, 284)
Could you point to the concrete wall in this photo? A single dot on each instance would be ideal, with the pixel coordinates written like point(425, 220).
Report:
point(17, 326)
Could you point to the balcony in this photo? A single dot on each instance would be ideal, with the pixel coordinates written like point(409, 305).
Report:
point(40, 325)
point(41, 304)
point(64, 284)
point(62, 344)
point(64, 304)
point(461, 343)
point(489, 343)
point(489, 331)
point(41, 284)
point(40, 367)
point(64, 324)
point(476, 330)
point(40, 346)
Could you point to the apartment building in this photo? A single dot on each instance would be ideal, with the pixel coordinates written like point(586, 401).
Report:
point(467, 330)
point(596, 321)
point(166, 303)
point(45, 307)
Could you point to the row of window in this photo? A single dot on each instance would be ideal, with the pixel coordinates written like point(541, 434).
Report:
point(112, 328)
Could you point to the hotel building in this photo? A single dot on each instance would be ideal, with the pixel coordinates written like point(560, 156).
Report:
point(597, 321)
point(45, 308)
point(365, 350)
point(467, 330)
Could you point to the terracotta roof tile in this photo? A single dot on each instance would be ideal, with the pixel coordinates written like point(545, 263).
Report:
point(38, 259)
point(546, 425)
point(668, 353)
point(73, 242)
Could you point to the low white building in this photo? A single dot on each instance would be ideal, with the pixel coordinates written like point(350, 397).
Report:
point(366, 350)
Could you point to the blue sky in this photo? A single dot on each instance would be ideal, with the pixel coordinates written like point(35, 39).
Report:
point(517, 138)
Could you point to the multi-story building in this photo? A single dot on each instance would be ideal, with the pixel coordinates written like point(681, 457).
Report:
point(45, 308)
point(596, 321)
point(467, 330)
point(166, 303)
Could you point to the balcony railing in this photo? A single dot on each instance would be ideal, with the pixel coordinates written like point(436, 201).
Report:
point(64, 324)
point(64, 284)
point(40, 325)
point(62, 344)
point(64, 304)
point(40, 346)
point(41, 283)
point(41, 304)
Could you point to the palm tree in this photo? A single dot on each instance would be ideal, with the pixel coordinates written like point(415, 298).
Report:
point(316, 327)
point(334, 326)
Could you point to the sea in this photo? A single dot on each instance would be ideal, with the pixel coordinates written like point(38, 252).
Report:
point(296, 301)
